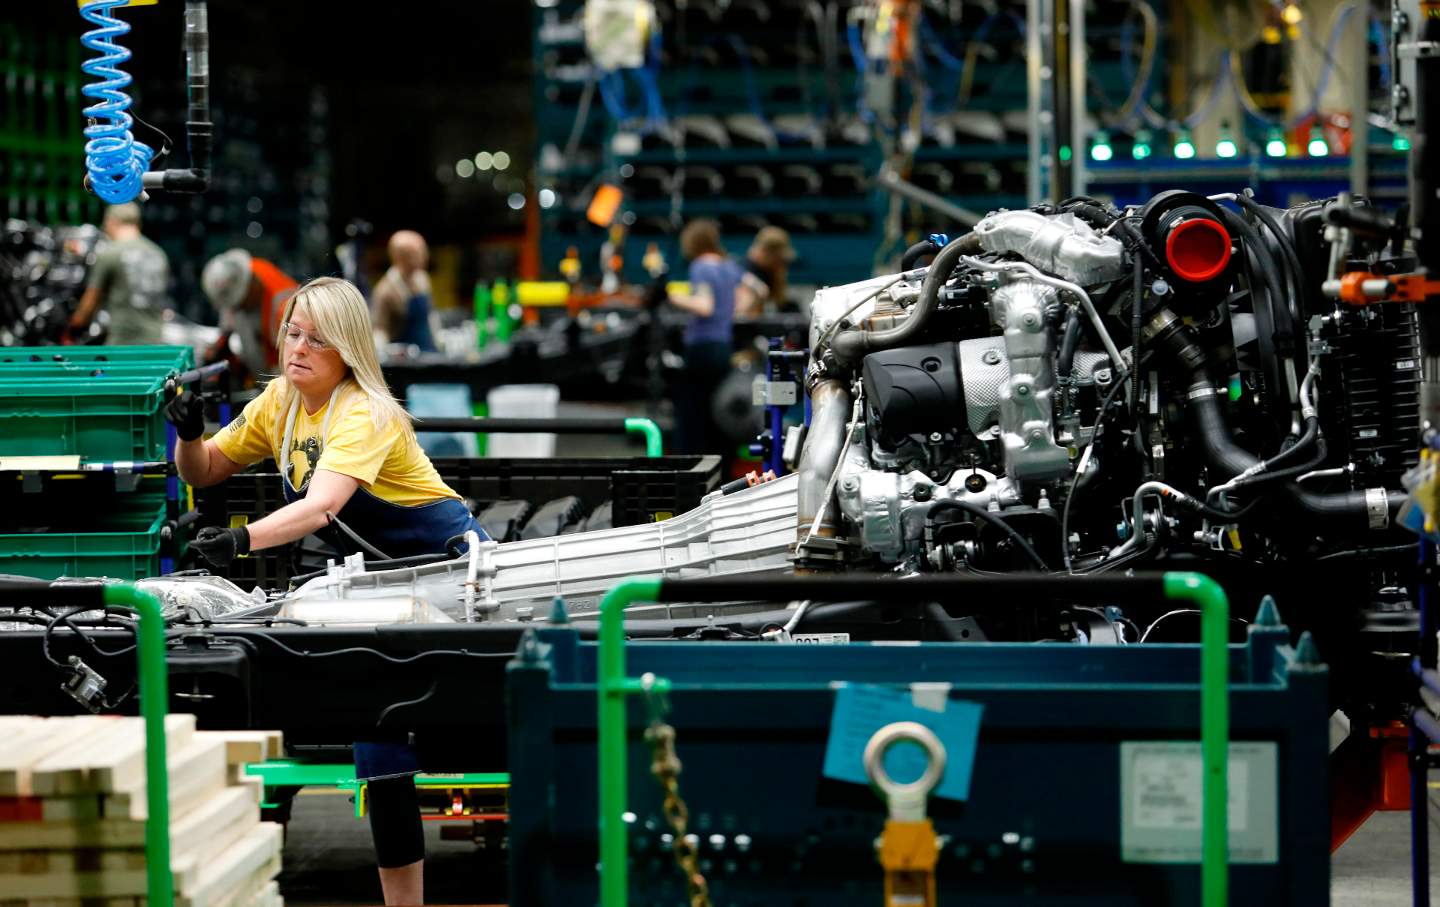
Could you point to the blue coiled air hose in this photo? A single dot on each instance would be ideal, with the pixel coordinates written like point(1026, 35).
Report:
point(113, 158)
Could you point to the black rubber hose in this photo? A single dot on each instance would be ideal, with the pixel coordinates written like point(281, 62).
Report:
point(851, 346)
point(1229, 459)
point(988, 517)
point(1136, 310)
point(1092, 213)
point(912, 255)
point(1287, 248)
point(1069, 341)
point(1269, 319)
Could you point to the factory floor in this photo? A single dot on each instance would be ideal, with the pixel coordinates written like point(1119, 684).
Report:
point(329, 860)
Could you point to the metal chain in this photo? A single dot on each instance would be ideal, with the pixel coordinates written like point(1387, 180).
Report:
point(665, 766)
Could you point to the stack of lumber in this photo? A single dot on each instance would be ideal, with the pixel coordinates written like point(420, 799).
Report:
point(73, 810)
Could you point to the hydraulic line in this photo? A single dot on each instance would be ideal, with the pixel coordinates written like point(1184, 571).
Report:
point(115, 160)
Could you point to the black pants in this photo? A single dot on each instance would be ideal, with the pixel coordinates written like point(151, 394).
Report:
point(395, 822)
point(696, 432)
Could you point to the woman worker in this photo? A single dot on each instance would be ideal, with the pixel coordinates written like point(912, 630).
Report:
point(348, 449)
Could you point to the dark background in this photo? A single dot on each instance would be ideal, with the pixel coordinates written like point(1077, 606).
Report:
point(324, 112)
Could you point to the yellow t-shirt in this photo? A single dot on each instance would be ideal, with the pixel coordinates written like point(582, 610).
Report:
point(388, 463)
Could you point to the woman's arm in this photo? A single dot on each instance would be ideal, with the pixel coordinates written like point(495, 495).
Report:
point(201, 464)
point(701, 300)
point(328, 491)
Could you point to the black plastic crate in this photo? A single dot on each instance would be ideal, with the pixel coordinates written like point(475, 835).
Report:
point(251, 494)
point(642, 489)
point(658, 489)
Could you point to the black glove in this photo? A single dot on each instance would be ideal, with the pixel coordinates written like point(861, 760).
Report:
point(221, 546)
point(187, 413)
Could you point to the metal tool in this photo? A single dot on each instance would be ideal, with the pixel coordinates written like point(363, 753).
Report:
point(908, 848)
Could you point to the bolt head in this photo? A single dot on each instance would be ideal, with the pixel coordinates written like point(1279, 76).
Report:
point(1022, 390)
point(936, 437)
point(991, 357)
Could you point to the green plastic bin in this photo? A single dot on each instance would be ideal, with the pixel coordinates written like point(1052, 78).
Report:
point(178, 357)
point(121, 539)
point(102, 404)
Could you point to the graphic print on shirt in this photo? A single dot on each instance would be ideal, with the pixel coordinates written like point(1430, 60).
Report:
point(311, 448)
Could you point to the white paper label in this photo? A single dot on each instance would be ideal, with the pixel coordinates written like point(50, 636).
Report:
point(1162, 803)
point(822, 639)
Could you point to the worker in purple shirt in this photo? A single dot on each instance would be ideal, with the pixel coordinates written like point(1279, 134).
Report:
point(709, 338)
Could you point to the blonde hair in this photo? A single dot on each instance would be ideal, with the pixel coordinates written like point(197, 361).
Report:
point(342, 319)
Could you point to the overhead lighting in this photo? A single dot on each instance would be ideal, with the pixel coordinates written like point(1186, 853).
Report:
point(1141, 149)
point(1318, 147)
point(484, 161)
point(1225, 146)
point(464, 168)
point(1275, 144)
point(1100, 149)
point(547, 198)
point(516, 201)
point(1184, 147)
point(502, 160)
point(1291, 14)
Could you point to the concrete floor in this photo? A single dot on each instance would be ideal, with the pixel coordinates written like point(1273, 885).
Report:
point(329, 860)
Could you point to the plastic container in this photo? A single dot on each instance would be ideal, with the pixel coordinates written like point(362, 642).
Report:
point(641, 489)
point(120, 539)
point(659, 488)
point(101, 403)
point(522, 401)
point(450, 401)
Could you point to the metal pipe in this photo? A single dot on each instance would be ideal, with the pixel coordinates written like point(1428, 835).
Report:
point(820, 455)
point(154, 700)
point(612, 686)
point(1422, 726)
point(1214, 728)
point(890, 180)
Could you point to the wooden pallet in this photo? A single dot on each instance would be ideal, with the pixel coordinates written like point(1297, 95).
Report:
point(73, 809)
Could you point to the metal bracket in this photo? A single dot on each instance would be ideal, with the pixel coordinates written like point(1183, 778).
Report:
point(773, 393)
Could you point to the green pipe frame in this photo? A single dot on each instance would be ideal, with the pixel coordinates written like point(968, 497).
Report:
point(613, 686)
point(651, 431)
point(154, 700)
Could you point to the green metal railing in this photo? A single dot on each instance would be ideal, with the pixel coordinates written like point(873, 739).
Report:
point(613, 686)
point(154, 703)
point(294, 773)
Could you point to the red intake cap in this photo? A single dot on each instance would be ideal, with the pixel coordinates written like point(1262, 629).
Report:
point(1197, 249)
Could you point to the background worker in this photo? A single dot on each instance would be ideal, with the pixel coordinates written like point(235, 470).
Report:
point(766, 283)
point(709, 338)
point(347, 448)
point(250, 294)
point(130, 280)
point(401, 303)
